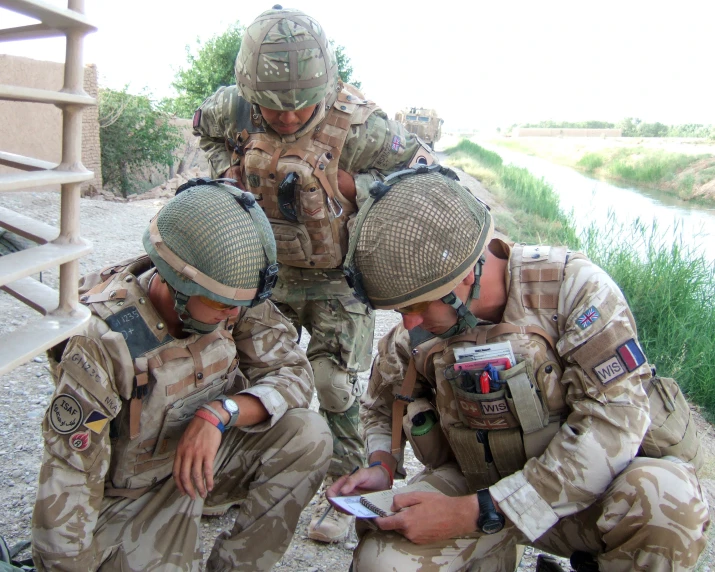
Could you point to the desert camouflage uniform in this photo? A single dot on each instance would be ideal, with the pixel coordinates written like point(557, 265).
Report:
point(320, 300)
point(586, 490)
point(99, 507)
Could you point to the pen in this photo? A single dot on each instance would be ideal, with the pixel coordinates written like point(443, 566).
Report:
point(322, 518)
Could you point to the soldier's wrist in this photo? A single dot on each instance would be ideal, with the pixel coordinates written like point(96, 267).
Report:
point(210, 418)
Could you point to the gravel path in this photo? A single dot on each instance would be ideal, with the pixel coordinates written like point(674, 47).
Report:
point(115, 230)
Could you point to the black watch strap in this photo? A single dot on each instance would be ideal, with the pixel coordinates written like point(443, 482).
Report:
point(490, 520)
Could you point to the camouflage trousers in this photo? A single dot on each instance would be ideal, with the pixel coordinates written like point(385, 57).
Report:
point(652, 517)
point(273, 473)
point(341, 329)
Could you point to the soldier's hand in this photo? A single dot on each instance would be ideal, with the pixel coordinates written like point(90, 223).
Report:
point(424, 518)
point(364, 480)
point(346, 185)
point(194, 461)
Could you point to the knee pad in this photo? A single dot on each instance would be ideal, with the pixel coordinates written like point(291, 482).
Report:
point(337, 388)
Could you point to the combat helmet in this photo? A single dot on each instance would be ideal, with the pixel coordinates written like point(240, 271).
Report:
point(212, 240)
point(415, 239)
point(285, 61)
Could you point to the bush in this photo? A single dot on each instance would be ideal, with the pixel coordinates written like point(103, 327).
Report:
point(134, 134)
point(590, 162)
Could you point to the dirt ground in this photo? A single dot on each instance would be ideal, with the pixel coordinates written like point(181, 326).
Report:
point(116, 229)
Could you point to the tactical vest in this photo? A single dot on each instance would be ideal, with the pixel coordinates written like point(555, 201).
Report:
point(162, 381)
point(319, 236)
point(519, 421)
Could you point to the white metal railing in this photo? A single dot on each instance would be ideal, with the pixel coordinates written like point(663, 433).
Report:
point(63, 315)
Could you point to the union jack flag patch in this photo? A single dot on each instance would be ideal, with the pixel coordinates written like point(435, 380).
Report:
point(396, 143)
point(588, 318)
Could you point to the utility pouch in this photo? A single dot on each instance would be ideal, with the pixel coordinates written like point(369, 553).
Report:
point(523, 399)
point(292, 242)
point(428, 443)
point(483, 410)
point(672, 428)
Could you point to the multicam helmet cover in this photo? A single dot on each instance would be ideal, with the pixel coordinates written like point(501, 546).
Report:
point(416, 238)
point(285, 61)
point(212, 240)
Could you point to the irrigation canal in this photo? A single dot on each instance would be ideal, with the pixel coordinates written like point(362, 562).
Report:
point(593, 200)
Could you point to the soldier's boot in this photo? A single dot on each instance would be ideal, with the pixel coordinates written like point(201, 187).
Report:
point(583, 562)
point(335, 526)
point(218, 509)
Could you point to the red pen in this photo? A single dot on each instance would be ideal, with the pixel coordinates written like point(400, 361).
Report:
point(484, 382)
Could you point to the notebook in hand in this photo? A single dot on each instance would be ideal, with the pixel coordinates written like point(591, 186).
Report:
point(379, 503)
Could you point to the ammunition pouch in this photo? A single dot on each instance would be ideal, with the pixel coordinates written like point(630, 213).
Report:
point(672, 429)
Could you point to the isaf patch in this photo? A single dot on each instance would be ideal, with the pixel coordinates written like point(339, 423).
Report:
point(631, 355)
point(96, 421)
point(65, 414)
point(588, 318)
point(609, 370)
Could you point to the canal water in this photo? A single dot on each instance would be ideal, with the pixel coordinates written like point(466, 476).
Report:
point(594, 201)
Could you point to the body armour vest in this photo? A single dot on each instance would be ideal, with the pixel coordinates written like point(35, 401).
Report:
point(519, 420)
point(161, 380)
point(304, 176)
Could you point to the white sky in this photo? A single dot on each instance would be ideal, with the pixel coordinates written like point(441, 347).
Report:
point(478, 63)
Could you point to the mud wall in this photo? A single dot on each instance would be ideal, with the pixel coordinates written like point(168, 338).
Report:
point(35, 129)
point(564, 132)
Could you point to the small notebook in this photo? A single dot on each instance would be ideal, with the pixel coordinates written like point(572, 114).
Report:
point(372, 505)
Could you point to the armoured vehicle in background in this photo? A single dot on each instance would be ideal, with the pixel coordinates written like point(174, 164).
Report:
point(425, 123)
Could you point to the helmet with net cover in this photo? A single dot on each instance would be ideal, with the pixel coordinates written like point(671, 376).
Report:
point(213, 240)
point(416, 238)
point(285, 61)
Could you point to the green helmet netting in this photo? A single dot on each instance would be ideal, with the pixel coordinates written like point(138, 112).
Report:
point(208, 229)
point(425, 233)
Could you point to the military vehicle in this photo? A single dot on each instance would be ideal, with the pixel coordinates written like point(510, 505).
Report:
point(425, 123)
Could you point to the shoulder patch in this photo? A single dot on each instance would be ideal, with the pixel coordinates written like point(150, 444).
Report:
point(96, 421)
point(139, 337)
point(80, 441)
point(65, 414)
point(631, 355)
point(197, 118)
point(609, 370)
point(588, 318)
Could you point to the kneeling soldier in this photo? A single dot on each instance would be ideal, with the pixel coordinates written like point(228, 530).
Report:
point(185, 370)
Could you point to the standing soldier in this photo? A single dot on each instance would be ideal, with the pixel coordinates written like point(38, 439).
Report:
point(308, 147)
point(562, 438)
point(185, 369)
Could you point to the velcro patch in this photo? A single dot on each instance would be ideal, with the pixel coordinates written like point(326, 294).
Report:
point(96, 421)
point(631, 355)
point(197, 119)
point(80, 441)
point(139, 337)
point(588, 318)
point(609, 370)
point(65, 414)
point(396, 144)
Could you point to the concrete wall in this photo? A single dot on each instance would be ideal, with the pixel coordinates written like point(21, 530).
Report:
point(564, 132)
point(35, 129)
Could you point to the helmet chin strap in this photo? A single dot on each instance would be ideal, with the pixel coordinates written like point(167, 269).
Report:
point(189, 325)
point(465, 318)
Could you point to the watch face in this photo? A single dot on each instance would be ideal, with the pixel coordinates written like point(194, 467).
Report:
point(492, 525)
point(230, 405)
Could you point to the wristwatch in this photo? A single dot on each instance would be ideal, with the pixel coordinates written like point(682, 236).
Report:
point(231, 407)
point(489, 521)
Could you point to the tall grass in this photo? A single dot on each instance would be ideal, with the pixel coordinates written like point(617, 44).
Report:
point(647, 166)
point(671, 291)
point(669, 287)
point(538, 216)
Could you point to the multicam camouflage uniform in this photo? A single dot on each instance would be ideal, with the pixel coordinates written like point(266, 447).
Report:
point(346, 132)
point(571, 482)
point(106, 497)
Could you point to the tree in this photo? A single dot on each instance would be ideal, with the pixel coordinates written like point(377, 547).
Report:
point(209, 69)
point(213, 67)
point(134, 134)
point(345, 70)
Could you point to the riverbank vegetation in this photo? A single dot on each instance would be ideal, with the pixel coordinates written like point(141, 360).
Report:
point(670, 288)
point(634, 127)
point(689, 173)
